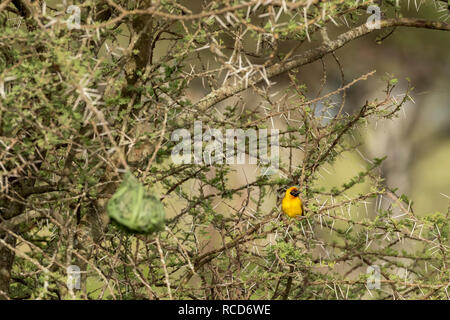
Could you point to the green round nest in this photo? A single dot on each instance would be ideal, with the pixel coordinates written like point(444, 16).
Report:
point(133, 207)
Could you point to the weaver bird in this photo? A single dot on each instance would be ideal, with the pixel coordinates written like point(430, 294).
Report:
point(292, 205)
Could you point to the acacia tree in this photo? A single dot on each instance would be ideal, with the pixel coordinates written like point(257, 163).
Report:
point(80, 103)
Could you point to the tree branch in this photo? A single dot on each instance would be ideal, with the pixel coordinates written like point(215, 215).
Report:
point(10, 223)
point(313, 55)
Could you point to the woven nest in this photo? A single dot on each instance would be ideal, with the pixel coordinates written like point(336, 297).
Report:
point(133, 207)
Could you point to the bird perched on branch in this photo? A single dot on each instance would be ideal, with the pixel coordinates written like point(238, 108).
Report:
point(292, 204)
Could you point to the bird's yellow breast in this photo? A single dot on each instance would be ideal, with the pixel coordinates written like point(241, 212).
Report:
point(292, 206)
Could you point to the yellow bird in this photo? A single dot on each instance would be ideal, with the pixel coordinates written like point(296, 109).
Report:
point(292, 205)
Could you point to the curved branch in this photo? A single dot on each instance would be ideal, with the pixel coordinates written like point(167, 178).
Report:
point(313, 55)
point(15, 221)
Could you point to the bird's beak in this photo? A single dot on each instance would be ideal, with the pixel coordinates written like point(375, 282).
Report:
point(295, 193)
